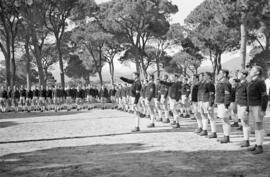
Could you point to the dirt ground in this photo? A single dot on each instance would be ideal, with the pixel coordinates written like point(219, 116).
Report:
point(99, 143)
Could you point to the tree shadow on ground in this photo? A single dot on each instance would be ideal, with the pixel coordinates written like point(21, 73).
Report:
point(13, 115)
point(134, 160)
point(7, 124)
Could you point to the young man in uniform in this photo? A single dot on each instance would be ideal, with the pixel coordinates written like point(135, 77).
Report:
point(15, 98)
point(233, 107)
point(69, 98)
point(142, 99)
point(206, 97)
point(242, 102)
point(3, 98)
point(35, 98)
point(194, 100)
point(49, 98)
point(29, 97)
point(174, 96)
point(223, 100)
point(184, 98)
point(150, 94)
point(157, 98)
point(79, 98)
point(42, 98)
point(164, 90)
point(135, 95)
point(23, 98)
point(257, 104)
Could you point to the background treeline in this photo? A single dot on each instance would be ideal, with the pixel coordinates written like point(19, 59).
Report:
point(82, 36)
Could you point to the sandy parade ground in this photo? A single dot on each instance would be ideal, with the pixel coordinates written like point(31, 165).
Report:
point(99, 143)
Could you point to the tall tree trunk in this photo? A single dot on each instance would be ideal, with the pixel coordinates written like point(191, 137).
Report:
point(38, 57)
point(13, 62)
point(61, 66)
point(111, 66)
point(28, 63)
point(100, 77)
point(137, 66)
point(158, 67)
point(46, 76)
point(219, 67)
point(243, 44)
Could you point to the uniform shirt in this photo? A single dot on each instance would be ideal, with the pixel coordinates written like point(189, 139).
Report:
point(174, 89)
point(112, 92)
point(92, 92)
point(73, 93)
point(206, 92)
point(135, 87)
point(164, 89)
point(104, 93)
point(29, 94)
point(158, 91)
point(4, 94)
point(256, 94)
point(223, 93)
point(49, 93)
point(194, 93)
point(23, 93)
point(150, 91)
point(233, 94)
point(69, 92)
point(124, 92)
point(58, 93)
point(241, 93)
point(185, 90)
point(15, 94)
point(36, 93)
point(43, 93)
point(80, 93)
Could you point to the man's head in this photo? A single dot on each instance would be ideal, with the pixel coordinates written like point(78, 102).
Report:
point(223, 74)
point(256, 71)
point(242, 75)
point(201, 77)
point(195, 78)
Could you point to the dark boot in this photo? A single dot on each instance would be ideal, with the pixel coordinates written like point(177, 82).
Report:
point(136, 129)
point(245, 144)
point(177, 125)
point(253, 148)
point(173, 123)
point(226, 139)
point(198, 130)
point(204, 133)
point(212, 135)
point(152, 125)
point(258, 150)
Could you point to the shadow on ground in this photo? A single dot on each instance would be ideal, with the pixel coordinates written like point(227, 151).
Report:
point(7, 124)
point(134, 160)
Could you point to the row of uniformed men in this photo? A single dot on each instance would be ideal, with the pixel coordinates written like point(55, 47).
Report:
point(246, 101)
point(51, 98)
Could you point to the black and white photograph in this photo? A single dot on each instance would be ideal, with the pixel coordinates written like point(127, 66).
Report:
point(134, 88)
